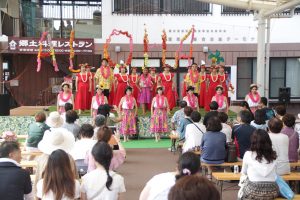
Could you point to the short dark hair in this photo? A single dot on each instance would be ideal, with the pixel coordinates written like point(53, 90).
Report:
point(182, 104)
point(68, 106)
point(246, 116)
point(260, 117)
point(275, 125)
point(280, 110)
point(213, 105)
point(40, 117)
point(223, 117)
point(289, 120)
point(104, 59)
point(86, 130)
point(194, 187)
point(214, 124)
point(8, 147)
point(195, 116)
point(128, 88)
point(104, 110)
point(264, 101)
point(71, 116)
point(188, 111)
point(100, 120)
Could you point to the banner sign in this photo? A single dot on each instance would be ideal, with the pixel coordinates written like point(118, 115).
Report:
point(60, 45)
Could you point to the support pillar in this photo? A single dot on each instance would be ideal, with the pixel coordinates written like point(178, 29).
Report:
point(267, 71)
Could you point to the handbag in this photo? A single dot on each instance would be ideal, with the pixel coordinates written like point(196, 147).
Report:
point(284, 188)
point(231, 154)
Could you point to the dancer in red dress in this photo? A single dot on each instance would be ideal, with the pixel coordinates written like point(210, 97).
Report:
point(166, 79)
point(154, 78)
point(121, 82)
point(133, 77)
point(213, 82)
point(203, 89)
point(223, 78)
point(83, 85)
point(88, 70)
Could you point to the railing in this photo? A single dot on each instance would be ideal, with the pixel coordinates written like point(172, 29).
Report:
point(226, 10)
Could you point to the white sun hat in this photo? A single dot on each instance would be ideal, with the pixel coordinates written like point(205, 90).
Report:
point(54, 120)
point(59, 138)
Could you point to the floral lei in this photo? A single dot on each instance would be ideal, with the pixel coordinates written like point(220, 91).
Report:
point(100, 101)
point(146, 80)
point(61, 96)
point(192, 100)
point(105, 74)
point(160, 101)
point(252, 97)
point(220, 100)
point(194, 78)
point(129, 101)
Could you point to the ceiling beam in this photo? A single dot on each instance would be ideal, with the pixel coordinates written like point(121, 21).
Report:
point(282, 7)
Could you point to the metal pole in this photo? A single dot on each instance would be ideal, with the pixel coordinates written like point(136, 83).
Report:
point(268, 59)
point(260, 72)
point(1, 62)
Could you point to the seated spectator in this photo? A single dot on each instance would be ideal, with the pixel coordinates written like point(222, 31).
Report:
point(241, 133)
point(59, 182)
point(15, 182)
point(159, 186)
point(54, 120)
point(213, 106)
point(184, 122)
point(226, 129)
point(104, 134)
point(9, 136)
point(288, 129)
point(259, 121)
point(259, 165)
point(68, 106)
point(280, 111)
point(100, 121)
point(111, 119)
point(36, 132)
point(178, 115)
point(213, 145)
point(245, 106)
point(193, 133)
point(194, 187)
point(108, 183)
point(263, 104)
point(297, 125)
point(280, 143)
point(71, 117)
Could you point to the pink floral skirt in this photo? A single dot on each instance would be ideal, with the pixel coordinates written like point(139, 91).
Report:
point(159, 121)
point(128, 123)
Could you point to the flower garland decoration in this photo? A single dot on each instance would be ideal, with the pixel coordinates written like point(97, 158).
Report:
point(41, 54)
point(116, 32)
point(72, 53)
point(177, 53)
point(146, 43)
point(164, 47)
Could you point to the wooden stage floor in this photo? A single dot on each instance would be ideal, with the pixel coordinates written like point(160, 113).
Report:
point(26, 110)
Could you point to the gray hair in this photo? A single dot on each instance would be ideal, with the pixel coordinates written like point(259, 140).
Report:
point(100, 120)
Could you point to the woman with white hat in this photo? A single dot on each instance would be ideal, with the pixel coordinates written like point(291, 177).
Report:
point(54, 120)
point(64, 96)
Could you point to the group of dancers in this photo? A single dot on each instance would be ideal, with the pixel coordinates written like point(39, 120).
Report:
point(151, 91)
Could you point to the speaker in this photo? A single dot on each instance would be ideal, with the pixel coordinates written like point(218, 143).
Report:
point(4, 102)
point(284, 95)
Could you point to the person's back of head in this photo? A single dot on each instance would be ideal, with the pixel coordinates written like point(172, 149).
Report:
point(86, 131)
point(71, 116)
point(68, 106)
point(40, 117)
point(260, 116)
point(100, 120)
point(289, 120)
point(196, 116)
point(264, 101)
point(188, 111)
point(103, 154)
point(213, 106)
point(192, 188)
point(262, 145)
point(104, 134)
point(223, 117)
point(182, 104)
point(280, 110)
point(104, 110)
point(58, 176)
point(10, 149)
point(188, 164)
point(275, 125)
point(214, 124)
point(245, 116)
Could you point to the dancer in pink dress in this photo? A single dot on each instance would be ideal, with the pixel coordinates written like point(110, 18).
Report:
point(253, 98)
point(191, 99)
point(133, 77)
point(144, 83)
point(64, 96)
point(221, 99)
point(97, 100)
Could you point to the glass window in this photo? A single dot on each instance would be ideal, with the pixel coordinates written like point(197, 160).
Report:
point(292, 76)
point(277, 76)
point(246, 75)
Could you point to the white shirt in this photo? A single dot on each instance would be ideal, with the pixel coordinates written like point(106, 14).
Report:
point(280, 143)
point(258, 171)
point(51, 196)
point(227, 130)
point(82, 147)
point(160, 186)
point(62, 103)
point(251, 103)
point(193, 136)
point(95, 181)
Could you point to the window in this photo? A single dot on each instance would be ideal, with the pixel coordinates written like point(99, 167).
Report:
point(246, 75)
point(226, 10)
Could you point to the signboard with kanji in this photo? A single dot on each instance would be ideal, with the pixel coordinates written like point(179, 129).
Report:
point(61, 46)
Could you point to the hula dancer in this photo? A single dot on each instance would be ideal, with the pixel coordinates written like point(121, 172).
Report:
point(64, 96)
point(97, 100)
point(253, 98)
point(144, 83)
point(191, 99)
point(221, 99)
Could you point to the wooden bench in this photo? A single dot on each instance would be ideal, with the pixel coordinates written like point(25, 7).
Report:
point(297, 196)
point(27, 164)
point(225, 164)
point(22, 136)
point(295, 164)
point(27, 153)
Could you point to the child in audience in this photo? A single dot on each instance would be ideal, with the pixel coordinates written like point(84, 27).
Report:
point(280, 111)
point(59, 182)
point(159, 186)
point(259, 121)
point(226, 129)
point(102, 183)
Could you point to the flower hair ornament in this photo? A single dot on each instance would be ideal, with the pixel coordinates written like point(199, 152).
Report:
point(186, 171)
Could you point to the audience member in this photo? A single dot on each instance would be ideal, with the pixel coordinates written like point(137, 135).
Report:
point(263, 104)
point(178, 115)
point(36, 132)
point(15, 182)
point(102, 183)
point(184, 122)
point(100, 121)
point(226, 129)
point(213, 106)
point(288, 129)
point(280, 143)
point(259, 121)
point(259, 165)
point(9, 136)
point(111, 119)
point(54, 120)
point(194, 187)
point(70, 125)
point(297, 125)
point(280, 111)
point(213, 145)
point(68, 106)
point(245, 106)
point(159, 186)
point(241, 133)
point(59, 181)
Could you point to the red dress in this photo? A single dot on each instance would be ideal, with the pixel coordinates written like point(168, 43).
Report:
point(213, 83)
point(203, 92)
point(153, 92)
point(121, 87)
point(222, 79)
point(132, 81)
point(92, 93)
point(168, 92)
point(83, 101)
point(183, 92)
